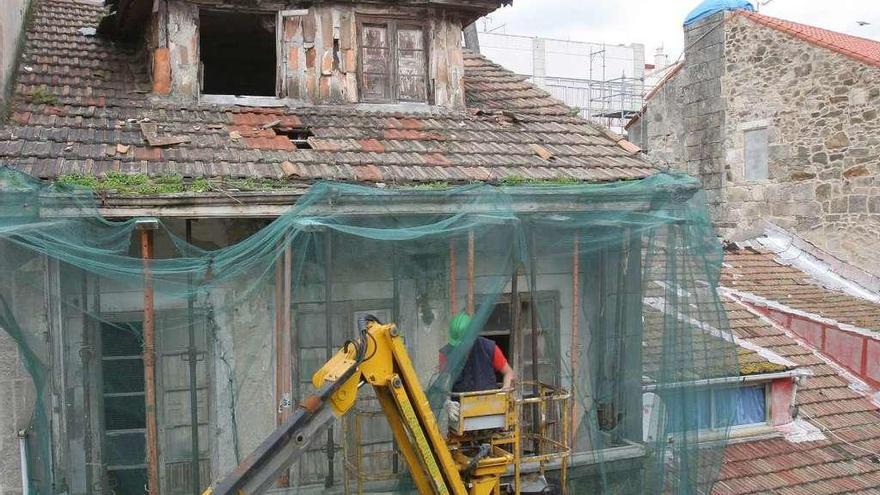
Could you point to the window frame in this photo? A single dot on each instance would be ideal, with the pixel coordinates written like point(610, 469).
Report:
point(392, 26)
point(116, 319)
point(200, 70)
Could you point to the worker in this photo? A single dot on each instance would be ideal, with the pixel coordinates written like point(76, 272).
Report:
point(484, 359)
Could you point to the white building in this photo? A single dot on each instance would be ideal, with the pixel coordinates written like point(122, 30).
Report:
point(606, 82)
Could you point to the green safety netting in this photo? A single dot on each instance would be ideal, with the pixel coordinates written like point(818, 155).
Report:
point(603, 290)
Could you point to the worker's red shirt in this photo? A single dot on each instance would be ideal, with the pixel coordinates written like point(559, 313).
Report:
point(499, 362)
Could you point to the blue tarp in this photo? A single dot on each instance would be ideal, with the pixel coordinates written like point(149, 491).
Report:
point(709, 7)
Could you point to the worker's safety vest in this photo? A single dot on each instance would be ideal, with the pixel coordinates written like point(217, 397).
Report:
point(477, 373)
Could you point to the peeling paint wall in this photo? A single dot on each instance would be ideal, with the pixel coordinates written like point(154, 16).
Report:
point(317, 50)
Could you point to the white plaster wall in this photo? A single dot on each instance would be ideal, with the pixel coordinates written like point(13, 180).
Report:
point(12, 15)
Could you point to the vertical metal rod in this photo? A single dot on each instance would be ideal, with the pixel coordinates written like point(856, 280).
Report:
point(149, 358)
point(328, 328)
point(533, 314)
point(192, 354)
point(516, 331)
point(395, 312)
point(470, 273)
point(87, 354)
point(283, 351)
point(575, 332)
point(453, 269)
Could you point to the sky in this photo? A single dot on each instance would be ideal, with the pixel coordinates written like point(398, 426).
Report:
point(658, 23)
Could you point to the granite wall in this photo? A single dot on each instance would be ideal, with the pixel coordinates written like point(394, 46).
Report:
point(820, 109)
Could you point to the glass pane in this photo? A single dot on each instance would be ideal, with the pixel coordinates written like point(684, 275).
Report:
point(374, 35)
point(133, 481)
point(123, 375)
point(740, 406)
point(121, 339)
point(411, 64)
point(126, 449)
point(124, 413)
point(375, 86)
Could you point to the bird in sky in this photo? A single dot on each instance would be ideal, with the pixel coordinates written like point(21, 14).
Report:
point(863, 23)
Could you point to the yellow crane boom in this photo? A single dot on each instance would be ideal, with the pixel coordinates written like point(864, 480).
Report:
point(380, 359)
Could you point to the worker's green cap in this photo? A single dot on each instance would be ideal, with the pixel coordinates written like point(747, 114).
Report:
point(458, 325)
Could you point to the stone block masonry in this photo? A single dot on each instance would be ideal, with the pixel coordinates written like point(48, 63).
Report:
point(821, 110)
point(821, 113)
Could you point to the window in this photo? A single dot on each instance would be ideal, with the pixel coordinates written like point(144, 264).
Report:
point(393, 62)
point(499, 325)
point(711, 409)
point(756, 155)
point(237, 53)
point(124, 410)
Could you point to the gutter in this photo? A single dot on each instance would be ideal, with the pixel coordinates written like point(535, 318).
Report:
point(25, 468)
point(795, 374)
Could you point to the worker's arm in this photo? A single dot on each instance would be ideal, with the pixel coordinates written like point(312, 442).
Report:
point(499, 362)
point(508, 376)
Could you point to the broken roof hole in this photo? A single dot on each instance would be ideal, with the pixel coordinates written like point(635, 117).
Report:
point(299, 136)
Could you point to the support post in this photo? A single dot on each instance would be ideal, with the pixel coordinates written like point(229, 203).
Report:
point(193, 355)
point(575, 337)
point(283, 373)
point(453, 269)
point(328, 328)
point(146, 229)
point(470, 273)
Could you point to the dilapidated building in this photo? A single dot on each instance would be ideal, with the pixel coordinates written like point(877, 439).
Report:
point(174, 266)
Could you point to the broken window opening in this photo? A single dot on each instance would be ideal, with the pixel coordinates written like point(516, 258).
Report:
point(299, 136)
point(393, 63)
point(237, 53)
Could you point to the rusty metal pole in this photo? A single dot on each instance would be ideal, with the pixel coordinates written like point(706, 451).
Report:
point(193, 355)
point(453, 268)
point(146, 228)
point(283, 373)
point(575, 330)
point(470, 273)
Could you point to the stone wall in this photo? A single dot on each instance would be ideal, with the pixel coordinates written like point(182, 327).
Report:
point(16, 387)
point(12, 18)
point(684, 118)
point(821, 111)
point(317, 53)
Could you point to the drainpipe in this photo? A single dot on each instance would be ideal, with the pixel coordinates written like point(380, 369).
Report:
point(25, 470)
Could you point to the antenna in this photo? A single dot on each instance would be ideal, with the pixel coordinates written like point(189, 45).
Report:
point(762, 3)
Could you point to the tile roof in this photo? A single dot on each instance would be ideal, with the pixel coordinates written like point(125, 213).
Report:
point(846, 461)
point(761, 274)
point(863, 49)
point(79, 102)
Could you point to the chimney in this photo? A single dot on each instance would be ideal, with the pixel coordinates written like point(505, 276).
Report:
point(661, 60)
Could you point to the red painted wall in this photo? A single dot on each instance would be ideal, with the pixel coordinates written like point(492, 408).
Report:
point(781, 398)
point(858, 353)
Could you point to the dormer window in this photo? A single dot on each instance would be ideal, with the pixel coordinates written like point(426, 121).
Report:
point(237, 53)
point(393, 62)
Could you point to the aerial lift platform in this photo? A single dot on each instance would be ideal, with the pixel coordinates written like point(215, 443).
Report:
point(479, 450)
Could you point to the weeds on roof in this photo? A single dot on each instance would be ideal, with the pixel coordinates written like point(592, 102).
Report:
point(516, 180)
point(42, 96)
point(143, 184)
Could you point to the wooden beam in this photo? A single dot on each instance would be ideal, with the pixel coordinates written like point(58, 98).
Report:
point(146, 229)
